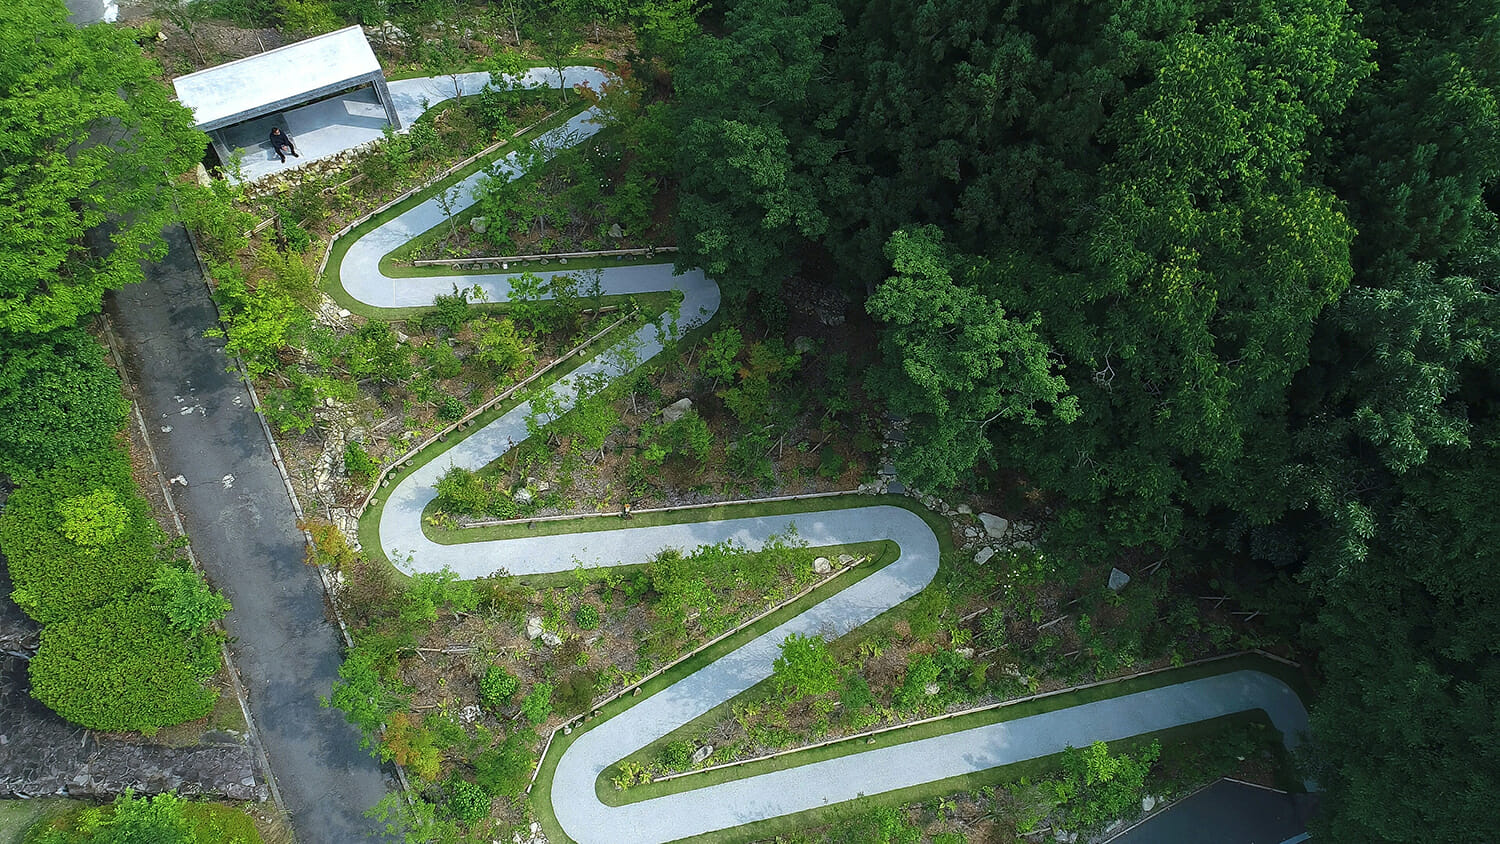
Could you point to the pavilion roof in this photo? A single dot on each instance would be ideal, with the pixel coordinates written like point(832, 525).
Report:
point(277, 79)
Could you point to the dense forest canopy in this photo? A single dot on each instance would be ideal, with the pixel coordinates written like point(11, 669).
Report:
point(1219, 276)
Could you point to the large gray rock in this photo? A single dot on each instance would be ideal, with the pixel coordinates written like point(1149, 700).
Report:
point(994, 525)
point(523, 496)
point(480, 225)
point(702, 753)
point(1118, 579)
point(984, 555)
point(533, 627)
point(676, 410)
point(822, 565)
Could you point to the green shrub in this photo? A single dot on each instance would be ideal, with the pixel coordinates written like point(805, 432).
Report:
point(912, 694)
point(451, 408)
point(502, 507)
point(297, 239)
point(442, 360)
point(358, 463)
point(290, 408)
point(855, 697)
point(120, 667)
point(587, 617)
point(163, 819)
point(537, 706)
point(677, 755)
point(189, 604)
point(576, 692)
point(449, 310)
point(58, 399)
point(114, 542)
point(462, 492)
point(496, 688)
point(498, 344)
point(805, 668)
point(1096, 788)
point(467, 802)
point(832, 465)
point(506, 770)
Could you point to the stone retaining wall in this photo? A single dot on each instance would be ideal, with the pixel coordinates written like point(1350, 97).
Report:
point(42, 755)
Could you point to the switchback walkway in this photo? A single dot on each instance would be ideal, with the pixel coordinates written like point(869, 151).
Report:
point(573, 794)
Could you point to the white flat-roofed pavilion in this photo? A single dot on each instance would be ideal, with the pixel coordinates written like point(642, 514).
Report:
point(267, 90)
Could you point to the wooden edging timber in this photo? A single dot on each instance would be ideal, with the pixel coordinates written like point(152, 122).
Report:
point(642, 251)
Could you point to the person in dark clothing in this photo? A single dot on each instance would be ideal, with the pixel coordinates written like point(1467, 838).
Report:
point(281, 140)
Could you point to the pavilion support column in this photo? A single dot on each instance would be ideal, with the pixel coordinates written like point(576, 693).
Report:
point(383, 93)
point(216, 138)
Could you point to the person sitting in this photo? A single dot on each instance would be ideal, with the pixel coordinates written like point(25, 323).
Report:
point(281, 140)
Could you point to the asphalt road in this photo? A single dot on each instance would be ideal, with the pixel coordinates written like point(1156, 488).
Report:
point(237, 513)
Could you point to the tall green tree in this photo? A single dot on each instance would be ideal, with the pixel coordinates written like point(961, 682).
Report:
point(1405, 739)
point(955, 362)
point(1420, 144)
point(90, 143)
point(755, 113)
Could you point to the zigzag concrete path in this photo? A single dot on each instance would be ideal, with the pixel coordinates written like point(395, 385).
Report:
point(573, 794)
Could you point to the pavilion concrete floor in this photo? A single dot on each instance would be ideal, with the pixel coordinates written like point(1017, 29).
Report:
point(319, 130)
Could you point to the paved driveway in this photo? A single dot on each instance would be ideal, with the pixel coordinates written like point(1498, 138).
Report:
point(241, 522)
